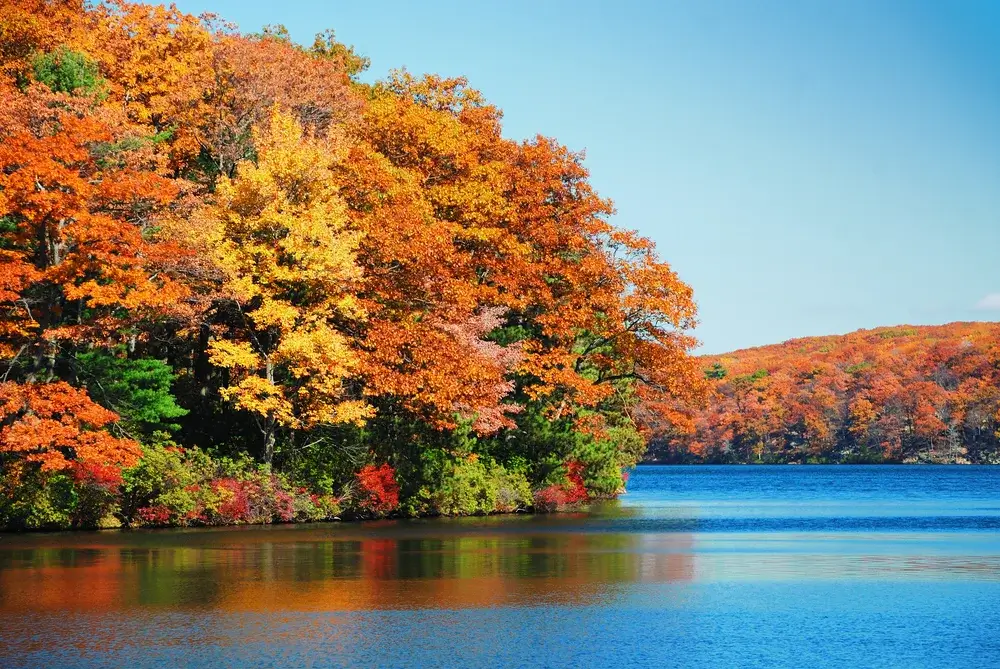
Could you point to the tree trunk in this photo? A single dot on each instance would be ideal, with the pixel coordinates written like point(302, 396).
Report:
point(200, 364)
point(269, 439)
point(271, 423)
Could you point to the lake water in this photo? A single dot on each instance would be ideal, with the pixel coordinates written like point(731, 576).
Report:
point(833, 566)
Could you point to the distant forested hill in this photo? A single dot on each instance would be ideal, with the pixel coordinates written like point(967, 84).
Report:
point(893, 394)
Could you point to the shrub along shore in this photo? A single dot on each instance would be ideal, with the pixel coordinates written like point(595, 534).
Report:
point(176, 487)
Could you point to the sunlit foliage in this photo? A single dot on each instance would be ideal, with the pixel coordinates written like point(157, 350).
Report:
point(891, 394)
point(227, 243)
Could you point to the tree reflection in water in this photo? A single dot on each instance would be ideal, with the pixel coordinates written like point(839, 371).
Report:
point(387, 565)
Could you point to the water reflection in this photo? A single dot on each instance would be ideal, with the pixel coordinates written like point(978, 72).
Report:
point(377, 566)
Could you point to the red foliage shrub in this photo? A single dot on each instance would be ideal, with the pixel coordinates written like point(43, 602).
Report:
point(235, 506)
point(549, 499)
point(154, 515)
point(574, 491)
point(97, 485)
point(97, 474)
point(378, 492)
point(284, 503)
point(252, 499)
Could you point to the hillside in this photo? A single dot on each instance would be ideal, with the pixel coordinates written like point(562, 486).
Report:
point(893, 394)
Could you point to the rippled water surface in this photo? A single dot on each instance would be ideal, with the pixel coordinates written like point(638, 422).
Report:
point(696, 567)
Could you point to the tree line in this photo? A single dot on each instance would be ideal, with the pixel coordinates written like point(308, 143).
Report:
point(900, 394)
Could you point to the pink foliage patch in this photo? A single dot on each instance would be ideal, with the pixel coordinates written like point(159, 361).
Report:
point(236, 505)
point(469, 335)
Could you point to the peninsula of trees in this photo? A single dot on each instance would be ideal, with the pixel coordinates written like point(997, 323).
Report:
point(237, 284)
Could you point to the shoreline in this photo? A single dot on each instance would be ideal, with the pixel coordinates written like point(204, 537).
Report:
point(338, 520)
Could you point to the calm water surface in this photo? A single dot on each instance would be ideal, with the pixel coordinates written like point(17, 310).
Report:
point(696, 567)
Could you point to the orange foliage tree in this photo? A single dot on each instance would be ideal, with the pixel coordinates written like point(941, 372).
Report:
point(55, 425)
point(481, 222)
point(75, 256)
point(313, 88)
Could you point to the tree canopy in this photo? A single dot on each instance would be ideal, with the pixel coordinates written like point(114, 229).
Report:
point(225, 246)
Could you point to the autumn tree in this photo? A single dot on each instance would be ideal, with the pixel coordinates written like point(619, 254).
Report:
point(31, 27)
point(279, 232)
point(157, 61)
point(74, 249)
point(596, 318)
point(312, 86)
point(56, 425)
point(430, 208)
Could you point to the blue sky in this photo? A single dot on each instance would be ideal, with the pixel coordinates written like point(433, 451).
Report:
point(808, 167)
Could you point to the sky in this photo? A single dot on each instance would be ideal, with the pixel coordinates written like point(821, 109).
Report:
point(808, 167)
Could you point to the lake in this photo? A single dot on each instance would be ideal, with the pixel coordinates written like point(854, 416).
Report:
point(730, 566)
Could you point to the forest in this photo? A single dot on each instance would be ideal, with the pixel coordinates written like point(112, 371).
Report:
point(902, 394)
point(240, 285)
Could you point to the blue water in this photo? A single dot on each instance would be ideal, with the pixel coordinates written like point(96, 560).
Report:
point(696, 567)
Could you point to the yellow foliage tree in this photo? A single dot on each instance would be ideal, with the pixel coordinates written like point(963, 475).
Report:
point(279, 232)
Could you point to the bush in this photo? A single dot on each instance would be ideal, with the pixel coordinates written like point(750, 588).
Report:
point(313, 507)
point(467, 486)
point(576, 491)
point(97, 488)
point(513, 491)
point(162, 489)
point(377, 491)
point(466, 489)
point(571, 491)
point(600, 462)
point(36, 501)
point(173, 486)
point(550, 499)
